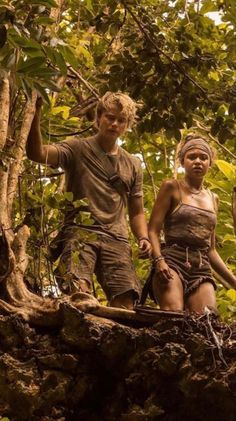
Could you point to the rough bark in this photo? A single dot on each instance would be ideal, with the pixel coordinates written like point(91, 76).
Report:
point(19, 151)
point(93, 369)
point(4, 109)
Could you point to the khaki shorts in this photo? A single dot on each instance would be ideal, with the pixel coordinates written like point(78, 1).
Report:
point(110, 260)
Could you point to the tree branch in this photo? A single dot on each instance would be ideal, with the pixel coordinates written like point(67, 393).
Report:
point(208, 131)
point(85, 82)
point(173, 62)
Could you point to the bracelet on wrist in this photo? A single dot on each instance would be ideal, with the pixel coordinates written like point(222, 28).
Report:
point(157, 259)
point(144, 238)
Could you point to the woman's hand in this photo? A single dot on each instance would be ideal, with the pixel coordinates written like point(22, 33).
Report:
point(163, 272)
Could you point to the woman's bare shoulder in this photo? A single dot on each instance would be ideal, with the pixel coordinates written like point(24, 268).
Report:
point(170, 185)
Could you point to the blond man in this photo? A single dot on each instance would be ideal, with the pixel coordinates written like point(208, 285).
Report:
point(98, 169)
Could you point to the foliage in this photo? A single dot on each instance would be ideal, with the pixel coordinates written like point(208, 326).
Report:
point(172, 57)
point(227, 304)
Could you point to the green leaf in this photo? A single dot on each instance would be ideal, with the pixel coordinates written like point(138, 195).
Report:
point(226, 168)
point(41, 90)
point(69, 196)
point(231, 293)
point(208, 6)
point(60, 62)
point(44, 20)
point(89, 5)
point(56, 58)
point(69, 55)
point(63, 109)
point(21, 41)
point(27, 87)
point(30, 65)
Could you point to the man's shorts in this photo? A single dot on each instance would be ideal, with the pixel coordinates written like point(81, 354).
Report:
point(107, 257)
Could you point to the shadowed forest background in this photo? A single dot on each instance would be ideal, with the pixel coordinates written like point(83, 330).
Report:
point(177, 60)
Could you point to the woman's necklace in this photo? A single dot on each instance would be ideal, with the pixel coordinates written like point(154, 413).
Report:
point(195, 192)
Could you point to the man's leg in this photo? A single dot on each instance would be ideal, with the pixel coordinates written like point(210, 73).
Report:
point(116, 273)
point(125, 300)
point(76, 267)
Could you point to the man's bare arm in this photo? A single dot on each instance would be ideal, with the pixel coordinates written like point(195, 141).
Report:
point(35, 150)
point(138, 225)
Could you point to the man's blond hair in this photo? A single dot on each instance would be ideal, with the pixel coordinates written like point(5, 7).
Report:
point(124, 103)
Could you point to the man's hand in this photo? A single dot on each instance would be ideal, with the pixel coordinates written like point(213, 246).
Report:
point(145, 248)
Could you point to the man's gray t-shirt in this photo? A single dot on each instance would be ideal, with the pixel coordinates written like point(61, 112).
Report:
point(87, 177)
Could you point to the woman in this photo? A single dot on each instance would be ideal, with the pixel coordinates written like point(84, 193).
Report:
point(186, 211)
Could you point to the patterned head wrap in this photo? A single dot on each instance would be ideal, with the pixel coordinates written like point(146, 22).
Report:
point(196, 143)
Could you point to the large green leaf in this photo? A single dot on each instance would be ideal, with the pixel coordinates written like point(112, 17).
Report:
point(228, 169)
point(30, 65)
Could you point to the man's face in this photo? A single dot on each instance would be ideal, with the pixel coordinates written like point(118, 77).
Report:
point(112, 123)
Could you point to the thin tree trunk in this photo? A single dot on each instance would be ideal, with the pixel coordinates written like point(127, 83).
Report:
point(4, 110)
point(19, 151)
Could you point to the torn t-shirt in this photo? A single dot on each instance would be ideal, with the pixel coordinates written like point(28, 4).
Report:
point(87, 177)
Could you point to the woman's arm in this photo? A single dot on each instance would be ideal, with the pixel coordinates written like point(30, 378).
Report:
point(219, 265)
point(161, 207)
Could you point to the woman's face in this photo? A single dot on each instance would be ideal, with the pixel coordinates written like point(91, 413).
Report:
point(196, 162)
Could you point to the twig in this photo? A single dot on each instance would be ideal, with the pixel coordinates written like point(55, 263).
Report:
point(85, 82)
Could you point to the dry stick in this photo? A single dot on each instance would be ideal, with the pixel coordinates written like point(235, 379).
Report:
point(15, 167)
point(85, 82)
point(4, 110)
point(176, 64)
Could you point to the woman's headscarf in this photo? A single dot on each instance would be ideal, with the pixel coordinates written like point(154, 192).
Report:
point(196, 143)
